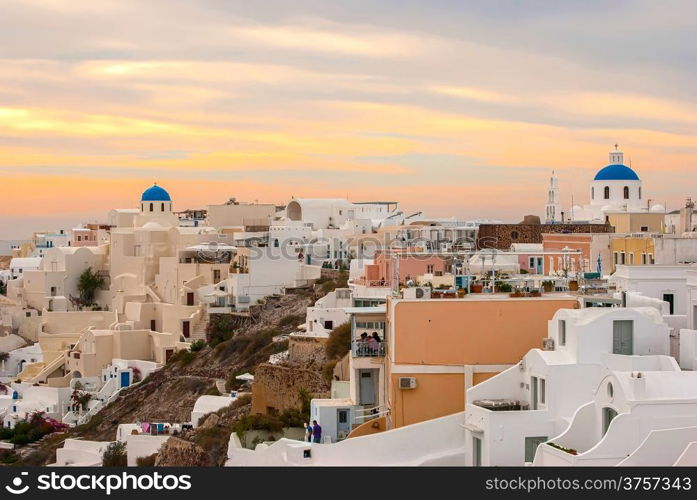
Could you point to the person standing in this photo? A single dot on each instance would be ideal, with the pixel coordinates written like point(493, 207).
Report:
point(308, 432)
point(316, 432)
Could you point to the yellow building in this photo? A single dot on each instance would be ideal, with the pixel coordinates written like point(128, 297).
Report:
point(632, 250)
point(637, 222)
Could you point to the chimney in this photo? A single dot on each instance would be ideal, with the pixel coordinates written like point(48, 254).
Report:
point(686, 216)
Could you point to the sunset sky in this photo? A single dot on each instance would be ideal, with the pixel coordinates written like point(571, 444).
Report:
point(452, 107)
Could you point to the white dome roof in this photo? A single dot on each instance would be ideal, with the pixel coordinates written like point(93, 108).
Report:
point(658, 208)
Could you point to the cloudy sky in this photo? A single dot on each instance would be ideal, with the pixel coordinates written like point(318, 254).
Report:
point(454, 107)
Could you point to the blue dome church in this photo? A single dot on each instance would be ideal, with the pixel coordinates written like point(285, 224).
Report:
point(155, 200)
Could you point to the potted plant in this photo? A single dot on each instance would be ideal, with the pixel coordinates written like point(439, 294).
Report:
point(573, 285)
point(548, 285)
point(476, 286)
point(504, 287)
point(535, 293)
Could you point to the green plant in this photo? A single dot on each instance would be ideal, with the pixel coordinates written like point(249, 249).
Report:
point(148, 461)
point(87, 284)
point(328, 370)
point(197, 345)
point(184, 357)
point(505, 287)
point(339, 341)
point(219, 329)
point(305, 400)
point(115, 455)
point(570, 451)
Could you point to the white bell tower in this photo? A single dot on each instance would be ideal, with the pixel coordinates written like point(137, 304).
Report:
point(553, 207)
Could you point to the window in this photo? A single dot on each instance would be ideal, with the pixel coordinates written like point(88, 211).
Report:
point(644, 229)
point(592, 193)
point(514, 235)
point(562, 332)
point(631, 258)
point(615, 256)
point(643, 258)
point(607, 192)
point(651, 261)
point(639, 192)
point(429, 269)
point(163, 207)
point(532, 263)
point(151, 207)
point(670, 298)
point(275, 242)
point(476, 452)
point(622, 258)
point(531, 444)
point(608, 416)
point(533, 394)
point(543, 388)
point(610, 390)
point(626, 192)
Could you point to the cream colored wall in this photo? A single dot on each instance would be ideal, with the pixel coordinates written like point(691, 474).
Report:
point(632, 222)
point(234, 215)
point(132, 344)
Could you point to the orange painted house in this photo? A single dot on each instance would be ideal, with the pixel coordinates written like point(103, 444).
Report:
point(444, 346)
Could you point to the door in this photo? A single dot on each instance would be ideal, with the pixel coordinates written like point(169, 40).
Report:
point(539, 265)
point(533, 393)
point(216, 275)
point(608, 415)
point(670, 298)
point(367, 387)
point(186, 329)
point(343, 424)
point(476, 451)
point(622, 337)
point(531, 444)
point(189, 298)
point(125, 379)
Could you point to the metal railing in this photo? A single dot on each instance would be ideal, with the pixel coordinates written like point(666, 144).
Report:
point(362, 349)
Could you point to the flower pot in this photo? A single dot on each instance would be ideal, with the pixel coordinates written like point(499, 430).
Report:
point(548, 287)
point(476, 288)
point(573, 285)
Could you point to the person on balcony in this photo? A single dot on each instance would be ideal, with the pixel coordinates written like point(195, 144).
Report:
point(363, 344)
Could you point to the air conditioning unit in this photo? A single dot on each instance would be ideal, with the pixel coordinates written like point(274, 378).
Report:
point(407, 382)
point(548, 344)
point(417, 292)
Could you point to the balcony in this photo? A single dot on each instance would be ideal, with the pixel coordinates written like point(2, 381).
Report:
point(502, 404)
point(363, 349)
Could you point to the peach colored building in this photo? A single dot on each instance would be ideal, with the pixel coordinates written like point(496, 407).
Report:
point(439, 348)
point(89, 235)
point(591, 247)
point(408, 267)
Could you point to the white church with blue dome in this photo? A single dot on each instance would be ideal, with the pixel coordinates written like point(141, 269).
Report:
point(616, 188)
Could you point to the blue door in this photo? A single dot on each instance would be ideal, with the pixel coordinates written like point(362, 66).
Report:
point(125, 379)
point(539, 265)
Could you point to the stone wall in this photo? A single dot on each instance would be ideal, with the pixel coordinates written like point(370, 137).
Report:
point(502, 236)
point(307, 352)
point(277, 388)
